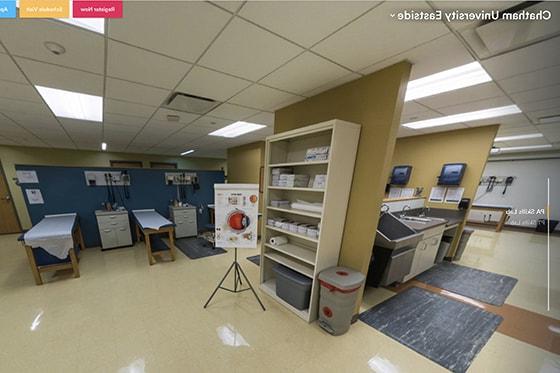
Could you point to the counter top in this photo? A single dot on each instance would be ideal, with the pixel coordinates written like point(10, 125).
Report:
point(182, 207)
point(490, 206)
point(420, 226)
point(114, 212)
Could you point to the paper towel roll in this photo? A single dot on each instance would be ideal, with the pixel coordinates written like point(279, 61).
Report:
point(279, 240)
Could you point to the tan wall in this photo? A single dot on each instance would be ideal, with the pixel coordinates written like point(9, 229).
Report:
point(374, 101)
point(427, 153)
point(244, 162)
point(12, 155)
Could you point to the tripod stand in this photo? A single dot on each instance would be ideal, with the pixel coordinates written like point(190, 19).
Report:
point(237, 272)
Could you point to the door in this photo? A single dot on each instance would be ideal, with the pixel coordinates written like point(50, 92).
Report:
point(9, 222)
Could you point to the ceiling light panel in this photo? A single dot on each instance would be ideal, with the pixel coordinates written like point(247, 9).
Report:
point(237, 129)
point(465, 117)
point(449, 80)
point(520, 148)
point(187, 152)
point(518, 137)
point(67, 104)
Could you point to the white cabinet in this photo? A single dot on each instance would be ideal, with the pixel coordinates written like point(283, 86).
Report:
point(185, 220)
point(426, 251)
point(114, 228)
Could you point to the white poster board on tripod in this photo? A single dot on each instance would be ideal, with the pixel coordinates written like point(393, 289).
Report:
point(236, 214)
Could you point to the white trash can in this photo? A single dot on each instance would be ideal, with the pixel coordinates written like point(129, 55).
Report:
point(339, 291)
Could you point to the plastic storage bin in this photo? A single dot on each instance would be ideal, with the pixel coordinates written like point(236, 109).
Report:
point(293, 287)
point(339, 290)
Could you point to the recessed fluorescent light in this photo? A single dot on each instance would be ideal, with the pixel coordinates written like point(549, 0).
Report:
point(103, 146)
point(237, 129)
point(518, 137)
point(549, 119)
point(465, 117)
point(67, 104)
point(448, 80)
point(519, 148)
point(92, 24)
point(187, 152)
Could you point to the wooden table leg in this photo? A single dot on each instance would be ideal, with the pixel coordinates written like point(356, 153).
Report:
point(148, 244)
point(74, 261)
point(171, 244)
point(138, 235)
point(33, 265)
point(501, 222)
point(81, 238)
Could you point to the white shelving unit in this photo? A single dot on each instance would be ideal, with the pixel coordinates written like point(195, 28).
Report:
point(303, 254)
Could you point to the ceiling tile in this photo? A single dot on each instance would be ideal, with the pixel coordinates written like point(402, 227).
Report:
point(127, 108)
point(263, 117)
point(18, 91)
point(419, 115)
point(33, 119)
point(192, 23)
point(406, 132)
point(532, 80)
point(377, 35)
point(462, 96)
point(412, 107)
point(539, 94)
point(531, 58)
point(52, 76)
point(232, 112)
point(304, 22)
point(247, 51)
point(163, 128)
point(9, 70)
point(124, 120)
point(10, 105)
point(332, 84)
point(138, 65)
point(470, 5)
point(184, 118)
point(304, 73)
point(25, 38)
point(211, 84)
point(263, 98)
point(536, 115)
point(231, 6)
point(441, 54)
point(553, 103)
point(476, 105)
point(132, 92)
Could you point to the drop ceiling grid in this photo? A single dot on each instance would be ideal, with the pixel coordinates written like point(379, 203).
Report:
point(238, 14)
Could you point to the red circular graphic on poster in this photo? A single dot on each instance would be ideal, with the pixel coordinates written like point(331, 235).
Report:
point(238, 221)
point(253, 198)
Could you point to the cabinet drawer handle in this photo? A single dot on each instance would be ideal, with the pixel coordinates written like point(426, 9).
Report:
point(122, 229)
point(107, 230)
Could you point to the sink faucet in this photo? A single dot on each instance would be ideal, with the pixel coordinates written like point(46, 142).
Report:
point(423, 213)
point(404, 210)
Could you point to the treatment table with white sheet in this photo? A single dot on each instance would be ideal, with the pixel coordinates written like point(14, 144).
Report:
point(148, 222)
point(54, 234)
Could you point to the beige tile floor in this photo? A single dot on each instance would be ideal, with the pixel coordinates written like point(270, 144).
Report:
point(522, 255)
point(122, 316)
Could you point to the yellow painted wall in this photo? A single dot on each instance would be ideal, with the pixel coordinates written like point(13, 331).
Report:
point(375, 101)
point(427, 153)
point(244, 163)
point(12, 155)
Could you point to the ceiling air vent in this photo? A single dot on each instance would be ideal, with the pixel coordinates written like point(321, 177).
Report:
point(190, 103)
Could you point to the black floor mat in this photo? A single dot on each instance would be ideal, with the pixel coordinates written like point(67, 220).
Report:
point(255, 259)
point(446, 331)
point(487, 287)
point(196, 247)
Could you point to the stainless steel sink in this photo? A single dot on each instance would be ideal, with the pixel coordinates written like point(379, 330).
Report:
point(394, 234)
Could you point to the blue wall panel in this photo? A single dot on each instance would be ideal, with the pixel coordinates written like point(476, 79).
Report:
point(64, 190)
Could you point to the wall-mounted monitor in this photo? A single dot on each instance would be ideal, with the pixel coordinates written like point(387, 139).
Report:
point(400, 175)
point(452, 174)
